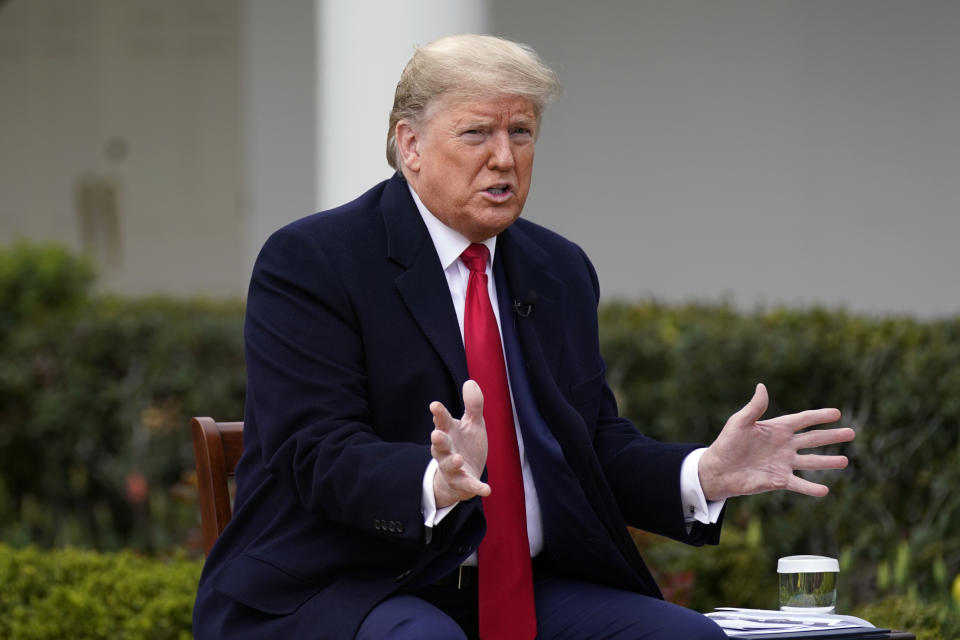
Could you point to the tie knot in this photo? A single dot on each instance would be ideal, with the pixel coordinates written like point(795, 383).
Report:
point(475, 257)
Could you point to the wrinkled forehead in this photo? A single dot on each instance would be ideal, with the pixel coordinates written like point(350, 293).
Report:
point(464, 101)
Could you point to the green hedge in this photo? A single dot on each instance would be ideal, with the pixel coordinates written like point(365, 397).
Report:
point(96, 392)
point(95, 399)
point(928, 621)
point(38, 279)
point(892, 516)
point(85, 595)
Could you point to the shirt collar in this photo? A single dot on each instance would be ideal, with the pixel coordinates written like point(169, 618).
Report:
point(449, 243)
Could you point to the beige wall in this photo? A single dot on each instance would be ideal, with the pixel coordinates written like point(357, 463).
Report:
point(767, 150)
point(120, 125)
point(280, 79)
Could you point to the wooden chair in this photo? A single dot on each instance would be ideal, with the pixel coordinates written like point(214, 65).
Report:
point(216, 448)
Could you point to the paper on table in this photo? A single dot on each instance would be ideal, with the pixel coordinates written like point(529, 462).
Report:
point(748, 622)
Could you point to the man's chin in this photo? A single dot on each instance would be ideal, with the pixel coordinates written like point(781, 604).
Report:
point(493, 225)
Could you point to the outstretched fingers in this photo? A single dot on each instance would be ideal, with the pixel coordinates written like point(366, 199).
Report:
point(806, 487)
point(441, 447)
point(460, 449)
point(816, 462)
point(808, 418)
point(823, 438)
point(441, 417)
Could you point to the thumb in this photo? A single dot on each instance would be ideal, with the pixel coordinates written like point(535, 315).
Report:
point(472, 401)
point(754, 409)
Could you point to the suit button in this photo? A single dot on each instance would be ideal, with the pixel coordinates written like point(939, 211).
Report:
point(399, 527)
point(377, 525)
point(392, 526)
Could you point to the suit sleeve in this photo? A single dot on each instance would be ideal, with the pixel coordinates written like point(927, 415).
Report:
point(643, 473)
point(307, 396)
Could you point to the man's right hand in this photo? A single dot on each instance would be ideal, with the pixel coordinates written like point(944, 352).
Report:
point(460, 449)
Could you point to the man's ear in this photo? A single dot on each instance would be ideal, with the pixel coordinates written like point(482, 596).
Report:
point(408, 145)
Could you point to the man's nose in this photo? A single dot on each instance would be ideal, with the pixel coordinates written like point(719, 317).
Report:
point(501, 152)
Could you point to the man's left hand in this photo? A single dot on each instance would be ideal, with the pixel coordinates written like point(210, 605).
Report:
point(753, 456)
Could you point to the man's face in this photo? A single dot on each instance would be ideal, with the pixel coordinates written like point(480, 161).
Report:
point(470, 161)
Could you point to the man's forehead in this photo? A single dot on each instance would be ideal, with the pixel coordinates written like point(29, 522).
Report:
point(516, 108)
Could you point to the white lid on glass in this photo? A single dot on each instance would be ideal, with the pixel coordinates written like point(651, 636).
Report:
point(807, 564)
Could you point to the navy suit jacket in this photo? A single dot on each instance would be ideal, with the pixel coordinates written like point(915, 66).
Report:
point(350, 334)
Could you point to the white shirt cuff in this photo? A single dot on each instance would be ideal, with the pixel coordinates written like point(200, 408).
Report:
point(428, 501)
point(695, 504)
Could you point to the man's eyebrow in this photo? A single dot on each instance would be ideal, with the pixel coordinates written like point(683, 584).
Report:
point(481, 122)
point(524, 120)
point(472, 122)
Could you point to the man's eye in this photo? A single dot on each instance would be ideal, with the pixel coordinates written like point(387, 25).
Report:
point(520, 131)
point(473, 134)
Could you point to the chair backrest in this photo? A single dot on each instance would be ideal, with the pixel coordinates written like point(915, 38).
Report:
point(216, 448)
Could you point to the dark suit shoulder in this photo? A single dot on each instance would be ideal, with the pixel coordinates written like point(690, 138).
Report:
point(351, 216)
point(554, 253)
point(549, 240)
point(336, 238)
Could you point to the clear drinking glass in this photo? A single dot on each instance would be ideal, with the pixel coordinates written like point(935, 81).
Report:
point(808, 583)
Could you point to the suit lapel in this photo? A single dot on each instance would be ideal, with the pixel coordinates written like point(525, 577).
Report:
point(526, 267)
point(422, 284)
point(540, 336)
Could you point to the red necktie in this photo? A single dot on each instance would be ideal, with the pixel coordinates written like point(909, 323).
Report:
point(505, 572)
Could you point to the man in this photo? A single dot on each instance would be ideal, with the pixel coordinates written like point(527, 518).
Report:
point(364, 508)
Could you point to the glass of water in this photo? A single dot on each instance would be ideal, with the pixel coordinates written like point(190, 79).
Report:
point(808, 583)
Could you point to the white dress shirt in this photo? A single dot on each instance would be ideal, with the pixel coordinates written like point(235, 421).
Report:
point(449, 244)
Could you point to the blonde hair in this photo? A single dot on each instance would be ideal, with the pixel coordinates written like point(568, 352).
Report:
point(468, 66)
